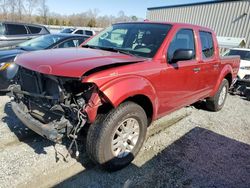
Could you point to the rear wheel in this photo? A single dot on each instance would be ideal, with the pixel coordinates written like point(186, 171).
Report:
point(116, 138)
point(217, 102)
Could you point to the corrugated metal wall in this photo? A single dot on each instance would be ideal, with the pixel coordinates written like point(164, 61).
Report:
point(228, 19)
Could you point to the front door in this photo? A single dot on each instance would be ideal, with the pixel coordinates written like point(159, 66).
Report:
point(180, 80)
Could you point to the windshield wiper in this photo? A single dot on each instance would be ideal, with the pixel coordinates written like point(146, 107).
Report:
point(110, 49)
point(118, 50)
point(90, 46)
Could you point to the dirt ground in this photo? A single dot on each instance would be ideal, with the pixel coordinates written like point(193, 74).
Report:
point(189, 148)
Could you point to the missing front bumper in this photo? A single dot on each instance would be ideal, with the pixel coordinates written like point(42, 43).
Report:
point(53, 131)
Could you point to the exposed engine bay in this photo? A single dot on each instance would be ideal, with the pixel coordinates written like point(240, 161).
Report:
point(49, 105)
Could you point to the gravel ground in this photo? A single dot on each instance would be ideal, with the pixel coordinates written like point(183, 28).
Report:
point(189, 148)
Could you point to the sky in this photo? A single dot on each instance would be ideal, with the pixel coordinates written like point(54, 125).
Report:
point(111, 7)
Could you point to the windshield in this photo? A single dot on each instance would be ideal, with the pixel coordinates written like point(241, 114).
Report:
point(2, 29)
point(41, 43)
point(140, 39)
point(244, 54)
point(68, 30)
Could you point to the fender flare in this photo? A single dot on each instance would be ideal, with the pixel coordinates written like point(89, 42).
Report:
point(122, 88)
point(227, 69)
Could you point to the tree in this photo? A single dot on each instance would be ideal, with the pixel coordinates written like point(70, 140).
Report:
point(134, 18)
point(57, 22)
point(64, 23)
point(51, 21)
point(23, 10)
point(20, 7)
point(44, 11)
point(38, 19)
point(3, 8)
point(30, 7)
point(92, 23)
point(69, 23)
point(12, 5)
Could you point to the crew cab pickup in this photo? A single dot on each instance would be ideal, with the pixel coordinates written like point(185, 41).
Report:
point(118, 82)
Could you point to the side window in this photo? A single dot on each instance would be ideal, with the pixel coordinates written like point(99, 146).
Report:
point(79, 32)
point(34, 30)
point(207, 44)
point(13, 29)
point(184, 39)
point(69, 44)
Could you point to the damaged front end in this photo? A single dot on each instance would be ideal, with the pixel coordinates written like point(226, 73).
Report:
point(52, 106)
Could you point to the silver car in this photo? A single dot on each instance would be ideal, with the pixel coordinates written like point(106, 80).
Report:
point(12, 33)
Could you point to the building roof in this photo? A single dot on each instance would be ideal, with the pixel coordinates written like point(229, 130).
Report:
point(193, 4)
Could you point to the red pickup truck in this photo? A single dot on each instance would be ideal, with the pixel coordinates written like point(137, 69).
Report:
point(118, 82)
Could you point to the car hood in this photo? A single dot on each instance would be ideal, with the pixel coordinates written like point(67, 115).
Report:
point(6, 55)
point(72, 62)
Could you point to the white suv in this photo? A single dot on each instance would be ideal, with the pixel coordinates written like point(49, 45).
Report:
point(78, 31)
point(244, 53)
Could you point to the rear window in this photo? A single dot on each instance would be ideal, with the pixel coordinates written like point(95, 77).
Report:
point(13, 29)
point(2, 29)
point(207, 44)
point(90, 33)
point(79, 32)
point(34, 30)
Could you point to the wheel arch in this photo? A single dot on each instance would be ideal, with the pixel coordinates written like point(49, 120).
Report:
point(229, 78)
point(145, 103)
point(136, 89)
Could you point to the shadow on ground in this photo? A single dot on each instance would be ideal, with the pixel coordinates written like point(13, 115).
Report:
point(201, 158)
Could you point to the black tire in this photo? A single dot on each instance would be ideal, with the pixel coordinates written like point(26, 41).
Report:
point(99, 137)
point(213, 103)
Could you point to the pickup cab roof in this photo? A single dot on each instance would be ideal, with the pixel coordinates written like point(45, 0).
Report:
point(177, 24)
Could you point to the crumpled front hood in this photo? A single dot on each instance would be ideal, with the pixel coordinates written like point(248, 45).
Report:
point(71, 62)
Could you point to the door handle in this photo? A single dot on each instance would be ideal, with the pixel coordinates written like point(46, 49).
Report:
point(216, 66)
point(197, 69)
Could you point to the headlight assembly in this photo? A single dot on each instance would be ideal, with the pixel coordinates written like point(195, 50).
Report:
point(8, 70)
point(4, 66)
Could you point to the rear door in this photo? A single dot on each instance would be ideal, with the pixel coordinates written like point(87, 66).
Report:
point(180, 80)
point(210, 65)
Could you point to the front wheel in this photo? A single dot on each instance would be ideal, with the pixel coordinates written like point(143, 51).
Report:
point(217, 102)
point(116, 138)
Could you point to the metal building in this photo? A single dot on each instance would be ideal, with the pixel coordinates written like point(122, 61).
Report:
point(229, 18)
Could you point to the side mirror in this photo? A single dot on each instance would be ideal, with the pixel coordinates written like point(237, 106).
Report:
point(182, 54)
